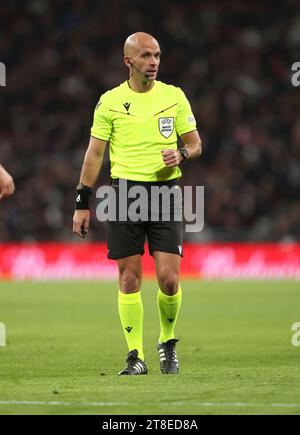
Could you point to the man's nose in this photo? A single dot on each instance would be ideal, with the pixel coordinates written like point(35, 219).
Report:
point(153, 61)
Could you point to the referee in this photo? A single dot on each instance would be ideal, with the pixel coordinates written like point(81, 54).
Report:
point(141, 119)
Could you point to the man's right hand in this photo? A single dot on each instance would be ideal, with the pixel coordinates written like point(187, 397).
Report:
point(81, 222)
point(7, 186)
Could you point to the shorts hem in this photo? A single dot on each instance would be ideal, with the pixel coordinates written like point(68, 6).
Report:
point(167, 251)
point(112, 256)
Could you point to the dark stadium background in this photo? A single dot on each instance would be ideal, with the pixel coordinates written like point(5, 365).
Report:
point(61, 343)
point(233, 59)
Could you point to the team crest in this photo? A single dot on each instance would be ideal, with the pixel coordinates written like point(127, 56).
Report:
point(166, 126)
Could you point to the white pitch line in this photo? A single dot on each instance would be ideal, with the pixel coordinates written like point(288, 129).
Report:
point(99, 404)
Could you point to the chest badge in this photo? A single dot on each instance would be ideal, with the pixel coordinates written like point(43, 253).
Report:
point(166, 126)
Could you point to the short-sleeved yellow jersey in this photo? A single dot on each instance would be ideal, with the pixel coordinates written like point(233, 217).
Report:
point(138, 126)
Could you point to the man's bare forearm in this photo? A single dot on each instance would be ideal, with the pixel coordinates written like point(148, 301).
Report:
point(90, 169)
point(92, 162)
point(194, 149)
point(193, 144)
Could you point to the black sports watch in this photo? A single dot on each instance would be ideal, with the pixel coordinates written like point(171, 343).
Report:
point(184, 153)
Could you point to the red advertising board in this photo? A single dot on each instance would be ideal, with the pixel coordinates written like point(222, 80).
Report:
point(53, 261)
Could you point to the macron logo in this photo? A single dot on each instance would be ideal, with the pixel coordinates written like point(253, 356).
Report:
point(78, 199)
point(180, 249)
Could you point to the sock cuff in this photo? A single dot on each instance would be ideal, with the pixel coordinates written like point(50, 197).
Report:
point(170, 299)
point(129, 298)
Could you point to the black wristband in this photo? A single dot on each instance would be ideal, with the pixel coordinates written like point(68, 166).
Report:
point(82, 197)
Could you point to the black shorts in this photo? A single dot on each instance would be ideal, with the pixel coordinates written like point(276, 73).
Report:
point(128, 238)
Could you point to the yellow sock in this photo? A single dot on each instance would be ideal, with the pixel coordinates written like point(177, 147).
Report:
point(168, 308)
point(131, 314)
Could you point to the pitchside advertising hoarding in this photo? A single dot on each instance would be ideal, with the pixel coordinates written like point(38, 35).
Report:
point(206, 261)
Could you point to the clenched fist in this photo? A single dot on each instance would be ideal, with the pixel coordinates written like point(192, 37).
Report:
point(171, 158)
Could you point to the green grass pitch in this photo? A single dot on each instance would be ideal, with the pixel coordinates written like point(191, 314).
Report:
point(65, 347)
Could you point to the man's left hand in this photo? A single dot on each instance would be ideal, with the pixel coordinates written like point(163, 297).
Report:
point(171, 158)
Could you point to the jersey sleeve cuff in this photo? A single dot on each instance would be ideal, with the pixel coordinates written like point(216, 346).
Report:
point(100, 138)
point(187, 130)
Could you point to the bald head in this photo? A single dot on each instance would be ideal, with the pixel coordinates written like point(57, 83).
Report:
point(142, 56)
point(139, 41)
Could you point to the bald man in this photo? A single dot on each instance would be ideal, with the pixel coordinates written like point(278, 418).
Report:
point(7, 186)
point(142, 119)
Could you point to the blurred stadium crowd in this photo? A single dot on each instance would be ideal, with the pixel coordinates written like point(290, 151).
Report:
point(233, 60)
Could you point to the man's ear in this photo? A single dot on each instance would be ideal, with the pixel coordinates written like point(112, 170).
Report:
point(127, 61)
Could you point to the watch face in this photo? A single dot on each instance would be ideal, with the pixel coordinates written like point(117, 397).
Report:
point(184, 153)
